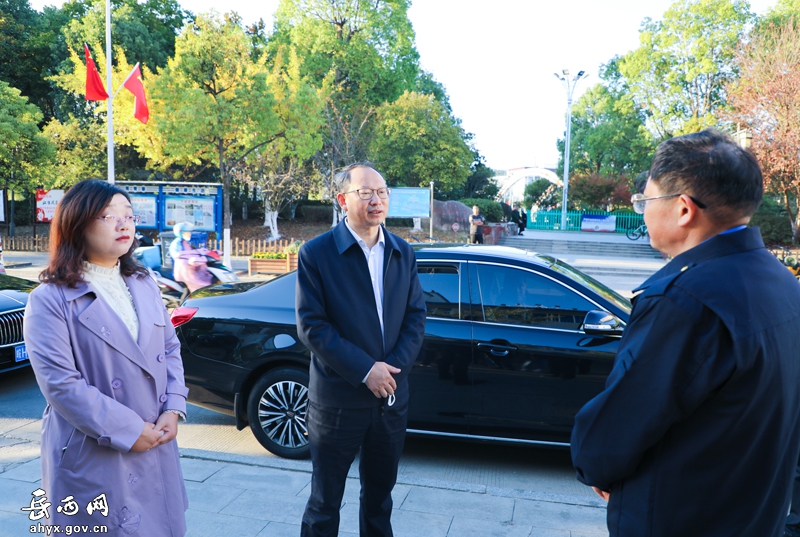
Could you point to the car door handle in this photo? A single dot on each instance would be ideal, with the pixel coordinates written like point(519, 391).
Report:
point(497, 350)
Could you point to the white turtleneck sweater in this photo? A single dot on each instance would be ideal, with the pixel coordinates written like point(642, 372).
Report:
point(111, 287)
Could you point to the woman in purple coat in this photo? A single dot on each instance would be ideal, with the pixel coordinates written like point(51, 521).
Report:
point(107, 360)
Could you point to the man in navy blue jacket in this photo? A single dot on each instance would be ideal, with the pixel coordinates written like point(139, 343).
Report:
point(361, 312)
point(698, 429)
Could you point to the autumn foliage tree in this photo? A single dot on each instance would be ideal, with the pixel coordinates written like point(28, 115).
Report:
point(597, 191)
point(766, 101)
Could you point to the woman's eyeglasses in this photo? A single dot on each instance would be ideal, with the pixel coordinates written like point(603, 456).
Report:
point(111, 219)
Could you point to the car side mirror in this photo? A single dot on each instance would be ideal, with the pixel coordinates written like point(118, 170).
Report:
point(602, 323)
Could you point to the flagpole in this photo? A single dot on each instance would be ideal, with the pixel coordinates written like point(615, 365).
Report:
point(110, 86)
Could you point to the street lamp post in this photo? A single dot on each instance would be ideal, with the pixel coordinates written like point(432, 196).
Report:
point(569, 86)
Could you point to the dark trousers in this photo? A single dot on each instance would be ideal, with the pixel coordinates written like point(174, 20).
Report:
point(476, 238)
point(335, 436)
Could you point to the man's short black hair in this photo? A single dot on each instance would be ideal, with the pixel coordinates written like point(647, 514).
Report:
point(712, 168)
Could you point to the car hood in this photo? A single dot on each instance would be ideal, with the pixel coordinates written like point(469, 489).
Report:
point(12, 300)
point(14, 292)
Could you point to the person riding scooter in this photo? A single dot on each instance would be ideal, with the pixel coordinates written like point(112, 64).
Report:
point(189, 266)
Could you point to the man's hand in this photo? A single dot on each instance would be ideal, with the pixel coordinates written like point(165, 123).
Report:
point(380, 380)
point(603, 494)
point(149, 439)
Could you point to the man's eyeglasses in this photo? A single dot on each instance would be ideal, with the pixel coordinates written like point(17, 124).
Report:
point(110, 219)
point(367, 193)
point(639, 201)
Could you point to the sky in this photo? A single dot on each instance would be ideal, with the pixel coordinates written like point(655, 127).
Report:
point(496, 59)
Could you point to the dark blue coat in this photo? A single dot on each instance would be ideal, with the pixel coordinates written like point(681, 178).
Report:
point(338, 321)
point(698, 430)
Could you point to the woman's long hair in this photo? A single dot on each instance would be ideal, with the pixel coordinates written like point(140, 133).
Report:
point(78, 209)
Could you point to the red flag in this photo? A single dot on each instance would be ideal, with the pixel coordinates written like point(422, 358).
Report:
point(134, 84)
point(95, 91)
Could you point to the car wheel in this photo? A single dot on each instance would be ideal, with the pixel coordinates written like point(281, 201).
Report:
point(276, 410)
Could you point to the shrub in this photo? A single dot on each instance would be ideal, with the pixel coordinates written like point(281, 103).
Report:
point(315, 213)
point(771, 217)
point(293, 248)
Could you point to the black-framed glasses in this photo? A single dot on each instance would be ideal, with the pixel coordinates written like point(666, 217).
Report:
point(367, 193)
point(639, 201)
point(111, 219)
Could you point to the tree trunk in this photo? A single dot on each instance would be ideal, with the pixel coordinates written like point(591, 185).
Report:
point(271, 221)
point(792, 220)
point(226, 207)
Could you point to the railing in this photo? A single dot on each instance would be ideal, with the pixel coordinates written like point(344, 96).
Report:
point(39, 243)
point(551, 220)
point(246, 247)
point(239, 247)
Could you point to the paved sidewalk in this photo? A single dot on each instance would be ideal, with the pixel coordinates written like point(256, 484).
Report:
point(245, 496)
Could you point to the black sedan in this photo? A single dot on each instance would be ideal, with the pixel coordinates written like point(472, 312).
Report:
point(515, 344)
point(13, 298)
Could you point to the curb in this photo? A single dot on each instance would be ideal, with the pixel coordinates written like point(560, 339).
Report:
point(455, 486)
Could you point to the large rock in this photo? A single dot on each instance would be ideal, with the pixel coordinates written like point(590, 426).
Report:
point(445, 213)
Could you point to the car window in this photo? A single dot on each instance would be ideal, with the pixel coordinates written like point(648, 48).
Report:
point(515, 296)
point(440, 285)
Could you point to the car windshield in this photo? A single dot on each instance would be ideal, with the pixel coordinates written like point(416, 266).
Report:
point(584, 279)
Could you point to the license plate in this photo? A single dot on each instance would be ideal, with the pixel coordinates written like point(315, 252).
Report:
point(20, 353)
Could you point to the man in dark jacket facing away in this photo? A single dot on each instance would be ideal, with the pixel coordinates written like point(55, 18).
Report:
point(697, 431)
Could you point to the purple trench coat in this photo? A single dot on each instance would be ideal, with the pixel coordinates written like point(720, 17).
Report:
point(101, 386)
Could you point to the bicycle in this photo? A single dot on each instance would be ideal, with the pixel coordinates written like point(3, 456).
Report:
point(638, 233)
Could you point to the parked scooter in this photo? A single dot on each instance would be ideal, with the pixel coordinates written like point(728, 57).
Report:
point(173, 292)
point(789, 259)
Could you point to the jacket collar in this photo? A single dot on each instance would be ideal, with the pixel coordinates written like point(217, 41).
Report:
point(345, 240)
point(100, 319)
point(713, 248)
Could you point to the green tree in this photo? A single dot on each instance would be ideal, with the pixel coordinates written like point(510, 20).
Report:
point(679, 72)
point(479, 183)
point(80, 150)
point(212, 103)
point(542, 194)
point(609, 133)
point(779, 14)
point(367, 46)
point(364, 53)
point(145, 31)
point(281, 170)
point(26, 155)
point(24, 48)
point(416, 141)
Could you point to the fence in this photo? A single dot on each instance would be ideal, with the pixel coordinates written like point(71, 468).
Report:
point(549, 220)
point(242, 247)
point(40, 243)
point(239, 247)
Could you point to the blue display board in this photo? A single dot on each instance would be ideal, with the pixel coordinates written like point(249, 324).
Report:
point(162, 205)
point(410, 203)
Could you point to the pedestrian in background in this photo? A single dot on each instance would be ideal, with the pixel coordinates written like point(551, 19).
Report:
point(698, 429)
point(361, 312)
point(108, 362)
point(476, 222)
point(188, 266)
